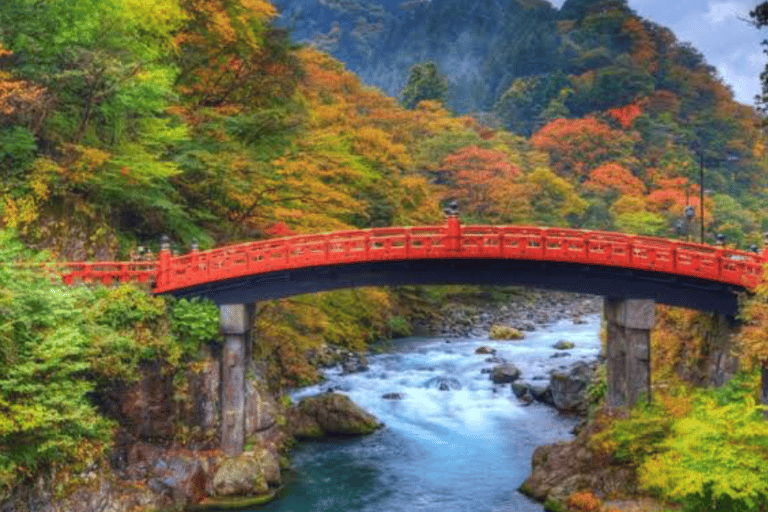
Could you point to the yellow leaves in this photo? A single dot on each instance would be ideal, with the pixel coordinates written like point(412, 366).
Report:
point(83, 162)
point(259, 8)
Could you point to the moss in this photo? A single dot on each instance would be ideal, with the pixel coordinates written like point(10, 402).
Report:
point(554, 506)
point(217, 504)
point(505, 332)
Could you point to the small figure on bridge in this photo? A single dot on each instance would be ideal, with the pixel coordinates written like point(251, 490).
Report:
point(452, 210)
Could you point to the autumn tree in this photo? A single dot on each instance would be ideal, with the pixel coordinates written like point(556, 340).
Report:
point(482, 180)
point(577, 146)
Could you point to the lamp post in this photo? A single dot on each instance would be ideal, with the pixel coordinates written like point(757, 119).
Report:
point(690, 213)
point(701, 194)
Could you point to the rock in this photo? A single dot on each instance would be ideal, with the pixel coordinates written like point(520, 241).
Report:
point(568, 387)
point(542, 394)
point(260, 409)
point(443, 383)
point(526, 326)
point(330, 413)
point(559, 354)
point(184, 478)
point(504, 373)
point(392, 396)
point(563, 345)
point(567, 467)
point(577, 320)
point(519, 389)
point(505, 332)
point(485, 350)
point(248, 474)
point(353, 363)
point(495, 360)
point(486, 370)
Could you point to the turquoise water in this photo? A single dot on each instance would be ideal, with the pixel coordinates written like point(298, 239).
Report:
point(443, 451)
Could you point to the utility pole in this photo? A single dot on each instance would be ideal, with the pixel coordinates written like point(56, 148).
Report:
point(701, 193)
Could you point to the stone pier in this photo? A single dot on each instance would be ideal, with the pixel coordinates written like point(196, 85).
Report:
point(629, 324)
point(236, 327)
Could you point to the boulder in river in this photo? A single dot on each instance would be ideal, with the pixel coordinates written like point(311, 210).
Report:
point(485, 350)
point(249, 474)
point(504, 373)
point(443, 383)
point(568, 387)
point(332, 414)
point(563, 345)
point(392, 396)
point(505, 332)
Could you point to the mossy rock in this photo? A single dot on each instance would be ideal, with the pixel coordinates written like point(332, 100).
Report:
point(245, 503)
point(333, 414)
point(248, 474)
point(505, 332)
point(563, 345)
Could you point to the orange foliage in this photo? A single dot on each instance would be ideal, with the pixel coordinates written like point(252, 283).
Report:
point(482, 179)
point(670, 198)
point(21, 102)
point(222, 54)
point(626, 115)
point(612, 177)
point(643, 47)
point(583, 501)
point(576, 146)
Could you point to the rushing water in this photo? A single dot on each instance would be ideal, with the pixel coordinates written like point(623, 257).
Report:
point(440, 451)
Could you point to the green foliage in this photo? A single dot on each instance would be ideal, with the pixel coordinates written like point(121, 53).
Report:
point(59, 344)
point(637, 437)
point(714, 459)
point(706, 449)
point(398, 326)
point(424, 83)
point(194, 323)
point(641, 223)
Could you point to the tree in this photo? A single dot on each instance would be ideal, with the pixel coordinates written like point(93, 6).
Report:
point(424, 83)
point(482, 180)
point(760, 17)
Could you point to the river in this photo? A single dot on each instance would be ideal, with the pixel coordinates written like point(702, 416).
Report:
point(440, 451)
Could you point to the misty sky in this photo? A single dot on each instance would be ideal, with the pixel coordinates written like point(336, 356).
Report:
point(715, 28)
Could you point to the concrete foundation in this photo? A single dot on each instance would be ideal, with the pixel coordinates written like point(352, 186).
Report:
point(629, 324)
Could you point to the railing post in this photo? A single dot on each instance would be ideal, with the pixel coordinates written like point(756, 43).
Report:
point(163, 264)
point(453, 233)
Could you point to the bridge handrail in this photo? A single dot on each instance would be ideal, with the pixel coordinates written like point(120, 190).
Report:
point(728, 266)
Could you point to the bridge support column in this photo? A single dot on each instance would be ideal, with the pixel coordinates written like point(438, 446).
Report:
point(629, 323)
point(236, 327)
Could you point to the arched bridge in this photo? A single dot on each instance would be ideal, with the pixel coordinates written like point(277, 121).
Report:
point(603, 263)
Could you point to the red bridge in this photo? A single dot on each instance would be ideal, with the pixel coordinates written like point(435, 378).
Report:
point(603, 263)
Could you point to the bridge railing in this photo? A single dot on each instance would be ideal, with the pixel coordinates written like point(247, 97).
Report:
point(432, 242)
point(735, 267)
point(106, 272)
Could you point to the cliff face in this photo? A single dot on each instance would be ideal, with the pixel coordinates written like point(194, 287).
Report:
point(480, 46)
point(165, 452)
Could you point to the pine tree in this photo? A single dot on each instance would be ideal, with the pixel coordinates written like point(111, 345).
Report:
point(424, 83)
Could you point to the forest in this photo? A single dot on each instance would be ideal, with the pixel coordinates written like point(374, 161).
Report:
point(204, 120)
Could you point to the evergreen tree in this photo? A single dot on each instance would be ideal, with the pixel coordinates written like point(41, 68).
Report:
point(760, 17)
point(424, 83)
